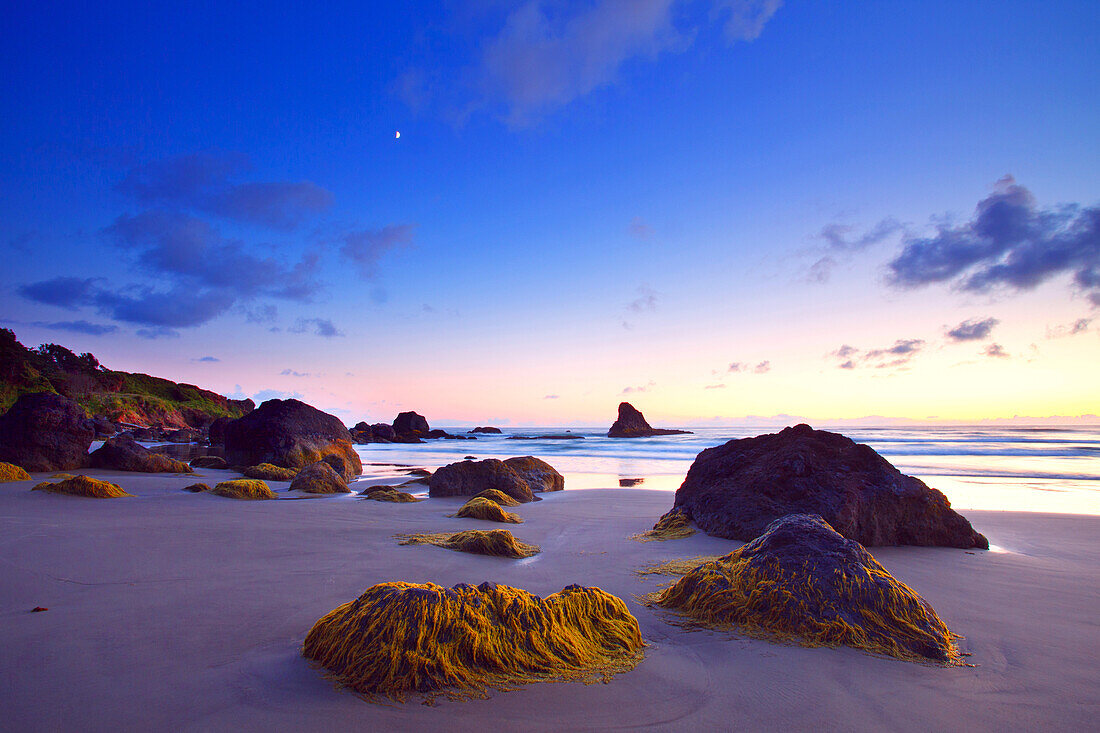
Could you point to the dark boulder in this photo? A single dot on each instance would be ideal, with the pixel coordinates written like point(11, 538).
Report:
point(411, 424)
point(490, 430)
point(735, 490)
point(382, 431)
point(183, 435)
point(344, 469)
point(45, 432)
point(147, 435)
point(632, 424)
point(538, 474)
point(209, 462)
point(123, 453)
point(288, 433)
point(216, 433)
point(103, 427)
point(467, 478)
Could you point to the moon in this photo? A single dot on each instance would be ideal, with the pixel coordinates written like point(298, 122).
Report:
point(397, 135)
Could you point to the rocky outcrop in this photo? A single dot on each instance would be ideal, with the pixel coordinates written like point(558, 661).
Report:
point(288, 433)
point(209, 462)
point(735, 490)
point(123, 453)
point(467, 478)
point(554, 436)
point(45, 432)
point(216, 433)
point(103, 427)
point(319, 478)
point(343, 469)
point(487, 430)
point(538, 474)
point(411, 424)
point(632, 424)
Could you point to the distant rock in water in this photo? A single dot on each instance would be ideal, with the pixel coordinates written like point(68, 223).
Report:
point(123, 453)
point(800, 579)
point(556, 436)
point(288, 433)
point(411, 424)
point(45, 432)
point(632, 424)
point(737, 489)
point(490, 430)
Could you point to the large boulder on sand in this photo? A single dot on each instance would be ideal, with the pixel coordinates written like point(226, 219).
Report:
point(45, 432)
point(319, 478)
point(736, 490)
point(800, 579)
point(288, 433)
point(520, 478)
point(632, 424)
point(123, 453)
point(411, 424)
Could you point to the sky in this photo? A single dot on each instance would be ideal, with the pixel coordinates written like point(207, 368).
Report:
point(718, 210)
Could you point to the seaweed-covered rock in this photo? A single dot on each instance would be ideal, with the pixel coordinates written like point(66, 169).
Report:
point(494, 542)
point(123, 453)
point(45, 432)
point(802, 580)
point(288, 433)
point(319, 478)
point(632, 424)
point(243, 488)
point(467, 478)
point(209, 462)
point(538, 474)
point(487, 509)
point(83, 486)
point(391, 494)
point(674, 525)
point(345, 470)
point(404, 638)
point(11, 472)
point(197, 488)
point(735, 490)
point(498, 496)
point(270, 472)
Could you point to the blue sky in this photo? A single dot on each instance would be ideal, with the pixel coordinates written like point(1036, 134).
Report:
point(587, 200)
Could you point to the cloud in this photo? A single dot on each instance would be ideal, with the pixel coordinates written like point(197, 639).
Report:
point(316, 326)
point(736, 366)
point(972, 330)
point(261, 314)
point(1081, 325)
point(176, 308)
point(158, 332)
point(715, 386)
point(646, 300)
point(842, 240)
point(273, 394)
point(822, 270)
point(547, 55)
point(898, 355)
point(550, 397)
point(1009, 243)
point(193, 252)
point(762, 368)
point(639, 229)
point(65, 292)
point(209, 359)
point(642, 388)
point(996, 351)
point(204, 182)
point(21, 242)
point(81, 326)
point(292, 373)
point(365, 248)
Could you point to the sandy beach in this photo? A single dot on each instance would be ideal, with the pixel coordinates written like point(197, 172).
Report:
point(186, 611)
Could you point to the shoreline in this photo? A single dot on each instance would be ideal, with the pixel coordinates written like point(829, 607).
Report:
point(184, 611)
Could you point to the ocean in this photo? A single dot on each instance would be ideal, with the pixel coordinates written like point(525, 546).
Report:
point(1039, 469)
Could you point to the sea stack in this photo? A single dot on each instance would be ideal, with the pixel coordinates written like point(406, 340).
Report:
point(632, 424)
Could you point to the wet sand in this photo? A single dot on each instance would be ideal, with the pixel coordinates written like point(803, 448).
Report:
point(186, 611)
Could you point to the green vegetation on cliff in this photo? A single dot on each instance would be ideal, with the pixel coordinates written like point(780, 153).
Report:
point(117, 396)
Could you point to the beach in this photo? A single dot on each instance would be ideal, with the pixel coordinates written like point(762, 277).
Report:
point(184, 611)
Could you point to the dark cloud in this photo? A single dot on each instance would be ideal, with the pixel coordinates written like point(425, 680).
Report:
point(365, 248)
point(1081, 325)
point(762, 368)
point(996, 351)
point(842, 237)
point(736, 366)
point(209, 359)
point(317, 326)
point(897, 355)
point(292, 373)
point(176, 308)
point(66, 292)
point(972, 330)
point(1010, 242)
point(193, 252)
point(205, 182)
point(260, 314)
point(81, 326)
